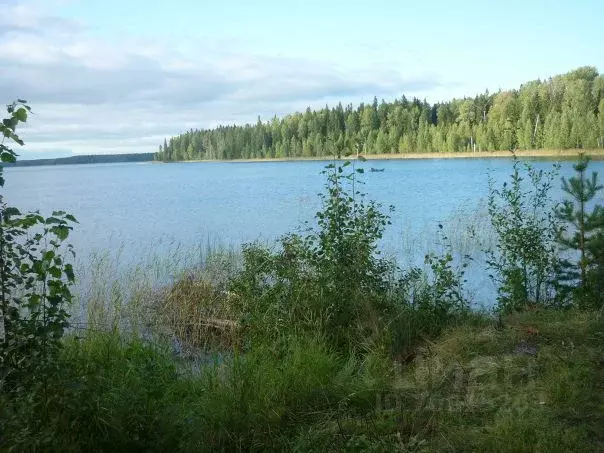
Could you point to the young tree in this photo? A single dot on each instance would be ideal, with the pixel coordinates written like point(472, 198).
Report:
point(35, 280)
point(586, 234)
point(524, 261)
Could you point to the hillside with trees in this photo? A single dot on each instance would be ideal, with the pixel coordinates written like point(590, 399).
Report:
point(85, 159)
point(563, 112)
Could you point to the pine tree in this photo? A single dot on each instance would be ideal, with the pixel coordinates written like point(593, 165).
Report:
point(586, 236)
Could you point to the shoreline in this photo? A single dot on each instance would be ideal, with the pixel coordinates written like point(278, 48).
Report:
point(595, 154)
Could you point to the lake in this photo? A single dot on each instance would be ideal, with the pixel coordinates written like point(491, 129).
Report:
point(141, 207)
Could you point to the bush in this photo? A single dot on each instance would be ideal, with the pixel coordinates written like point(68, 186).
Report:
point(35, 281)
point(524, 262)
point(199, 314)
point(330, 279)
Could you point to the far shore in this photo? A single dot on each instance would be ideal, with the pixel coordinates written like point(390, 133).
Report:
point(596, 154)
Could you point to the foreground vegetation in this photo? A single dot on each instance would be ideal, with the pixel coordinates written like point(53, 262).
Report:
point(563, 112)
point(478, 387)
point(318, 342)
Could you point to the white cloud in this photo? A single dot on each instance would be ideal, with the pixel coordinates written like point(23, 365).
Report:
point(95, 96)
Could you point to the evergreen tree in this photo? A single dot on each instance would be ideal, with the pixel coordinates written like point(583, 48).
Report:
point(586, 237)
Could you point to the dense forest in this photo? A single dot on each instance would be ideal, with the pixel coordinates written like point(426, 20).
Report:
point(88, 159)
point(566, 111)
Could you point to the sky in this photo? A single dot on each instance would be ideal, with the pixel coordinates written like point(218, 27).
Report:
point(109, 76)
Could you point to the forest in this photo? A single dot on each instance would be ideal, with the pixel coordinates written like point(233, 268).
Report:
point(562, 112)
point(85, 159)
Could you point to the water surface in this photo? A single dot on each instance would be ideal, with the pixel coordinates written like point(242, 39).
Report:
point(135, 207)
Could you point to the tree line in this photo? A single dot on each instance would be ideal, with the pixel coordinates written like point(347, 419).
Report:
point(85, 159)
point(565, 111)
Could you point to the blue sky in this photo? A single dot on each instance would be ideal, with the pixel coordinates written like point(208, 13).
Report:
point(118, 76)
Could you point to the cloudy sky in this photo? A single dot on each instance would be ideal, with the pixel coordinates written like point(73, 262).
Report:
point(109, 76)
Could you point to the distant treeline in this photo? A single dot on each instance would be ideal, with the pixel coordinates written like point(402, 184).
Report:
point(91, 159)
point(566, 111)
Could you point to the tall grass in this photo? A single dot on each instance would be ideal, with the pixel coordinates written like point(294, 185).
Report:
point(114, 294)
point(468, 390)
point(466, 234)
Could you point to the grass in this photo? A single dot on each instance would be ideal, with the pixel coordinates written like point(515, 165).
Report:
point(114, 294)
point(473, 388)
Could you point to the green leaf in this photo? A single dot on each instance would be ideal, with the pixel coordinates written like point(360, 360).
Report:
point(61, 232)
point(361, 158)
point(69, 272)
point(21, 114)
point(55, 272)
point(11, 212)
point(8, 157)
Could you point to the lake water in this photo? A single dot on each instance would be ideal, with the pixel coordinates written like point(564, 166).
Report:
point(142, 207)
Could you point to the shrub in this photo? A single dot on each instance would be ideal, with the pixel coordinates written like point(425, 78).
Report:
point(35, 280)
point(524, 261)
point(329, 279)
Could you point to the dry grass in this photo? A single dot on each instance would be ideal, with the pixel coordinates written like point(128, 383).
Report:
point(199, 315)
point(167, 298)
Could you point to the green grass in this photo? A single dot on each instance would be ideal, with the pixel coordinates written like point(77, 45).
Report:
point(470, 391)
point(467, 390)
